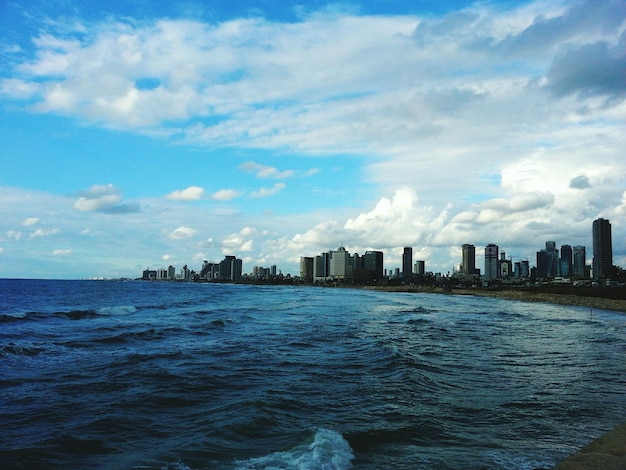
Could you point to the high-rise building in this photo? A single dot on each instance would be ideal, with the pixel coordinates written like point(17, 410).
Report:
point(553, 253)
point(602, 249)
point(407, 262)
point(505, 267)
point(468, 265)
point(340, 264)
point(321, 266)
point(231, 268)
point(579, 261)
point(306, 268)
point(491, 261)
point(565, 262)
point(420, 267)
point(373, 264)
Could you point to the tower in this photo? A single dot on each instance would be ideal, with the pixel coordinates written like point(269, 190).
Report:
point(602, 249)
point(407, 263)
point(491, 261)
point(468, 265)
point(579, 262)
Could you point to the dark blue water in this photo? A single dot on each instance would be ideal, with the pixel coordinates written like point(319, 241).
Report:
point(98, 374)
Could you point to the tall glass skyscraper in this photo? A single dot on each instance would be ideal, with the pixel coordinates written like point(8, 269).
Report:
point(407, 262)
point(602, 249)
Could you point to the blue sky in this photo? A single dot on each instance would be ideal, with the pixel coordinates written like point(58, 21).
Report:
point(140, 133)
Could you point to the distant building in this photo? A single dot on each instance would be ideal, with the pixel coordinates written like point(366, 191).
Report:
point(407, 263)
point(231, 269)
point(149, 275)
point(340, 264)
point(468, 264)
point(565, 262)
point(602, 249)
point(373, 265)
point(553, 253)
point(521, 269)
point(491, 261)
point(420, 268)
point(544, 264)
point(306, 268)
point(579, 262)
point(505, 267)
point(321, 266)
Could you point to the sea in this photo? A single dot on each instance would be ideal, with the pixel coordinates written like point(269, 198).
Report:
point(166, 375)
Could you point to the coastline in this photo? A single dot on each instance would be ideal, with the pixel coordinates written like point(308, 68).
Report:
point(526, 295)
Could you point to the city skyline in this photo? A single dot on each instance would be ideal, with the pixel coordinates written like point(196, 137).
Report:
point(371, 267)
point(191, 130)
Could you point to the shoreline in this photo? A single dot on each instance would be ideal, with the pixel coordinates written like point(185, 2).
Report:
point(525, 295)
point(607, 452)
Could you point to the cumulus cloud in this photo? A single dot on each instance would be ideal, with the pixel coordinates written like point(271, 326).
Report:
point(104, 198)
point(225, 195)
point(264, 171)
point(266, 192)
point(495, 116)
point(192, 193)
point(241, 241)
point(182, 233)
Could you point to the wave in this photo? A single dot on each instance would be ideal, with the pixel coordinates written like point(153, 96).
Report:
point(325, 449)
point(99, 312)
point(121, 310)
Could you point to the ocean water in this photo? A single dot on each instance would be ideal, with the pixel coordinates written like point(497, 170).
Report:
point(141, 375)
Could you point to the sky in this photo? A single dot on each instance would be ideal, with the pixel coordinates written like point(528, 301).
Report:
point(141, 133)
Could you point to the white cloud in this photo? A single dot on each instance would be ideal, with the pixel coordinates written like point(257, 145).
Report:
point(30, 221)
point(490, 124)
point(14, 235)
point(225, 195)
point(192, 193)
point(266, 192)
point(41, 232)
point(240, 242)
point(104, 198)
point(61, 252)
point(182, 233)
point(167, 257)
point(264, 171)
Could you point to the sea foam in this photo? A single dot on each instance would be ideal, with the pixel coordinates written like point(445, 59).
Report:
point(121, 310)
point(327, 451)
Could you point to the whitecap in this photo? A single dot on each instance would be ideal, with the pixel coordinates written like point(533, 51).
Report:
point(327, 451)
point(121, 310)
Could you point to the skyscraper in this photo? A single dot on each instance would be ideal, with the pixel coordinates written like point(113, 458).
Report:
point(373, 263)
point(420, 267)
point(468, 265)
point(491, 261)
point(565, 263)
point(602, 249)
point(553, 253)
point(579, 262)
point(407, 263)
